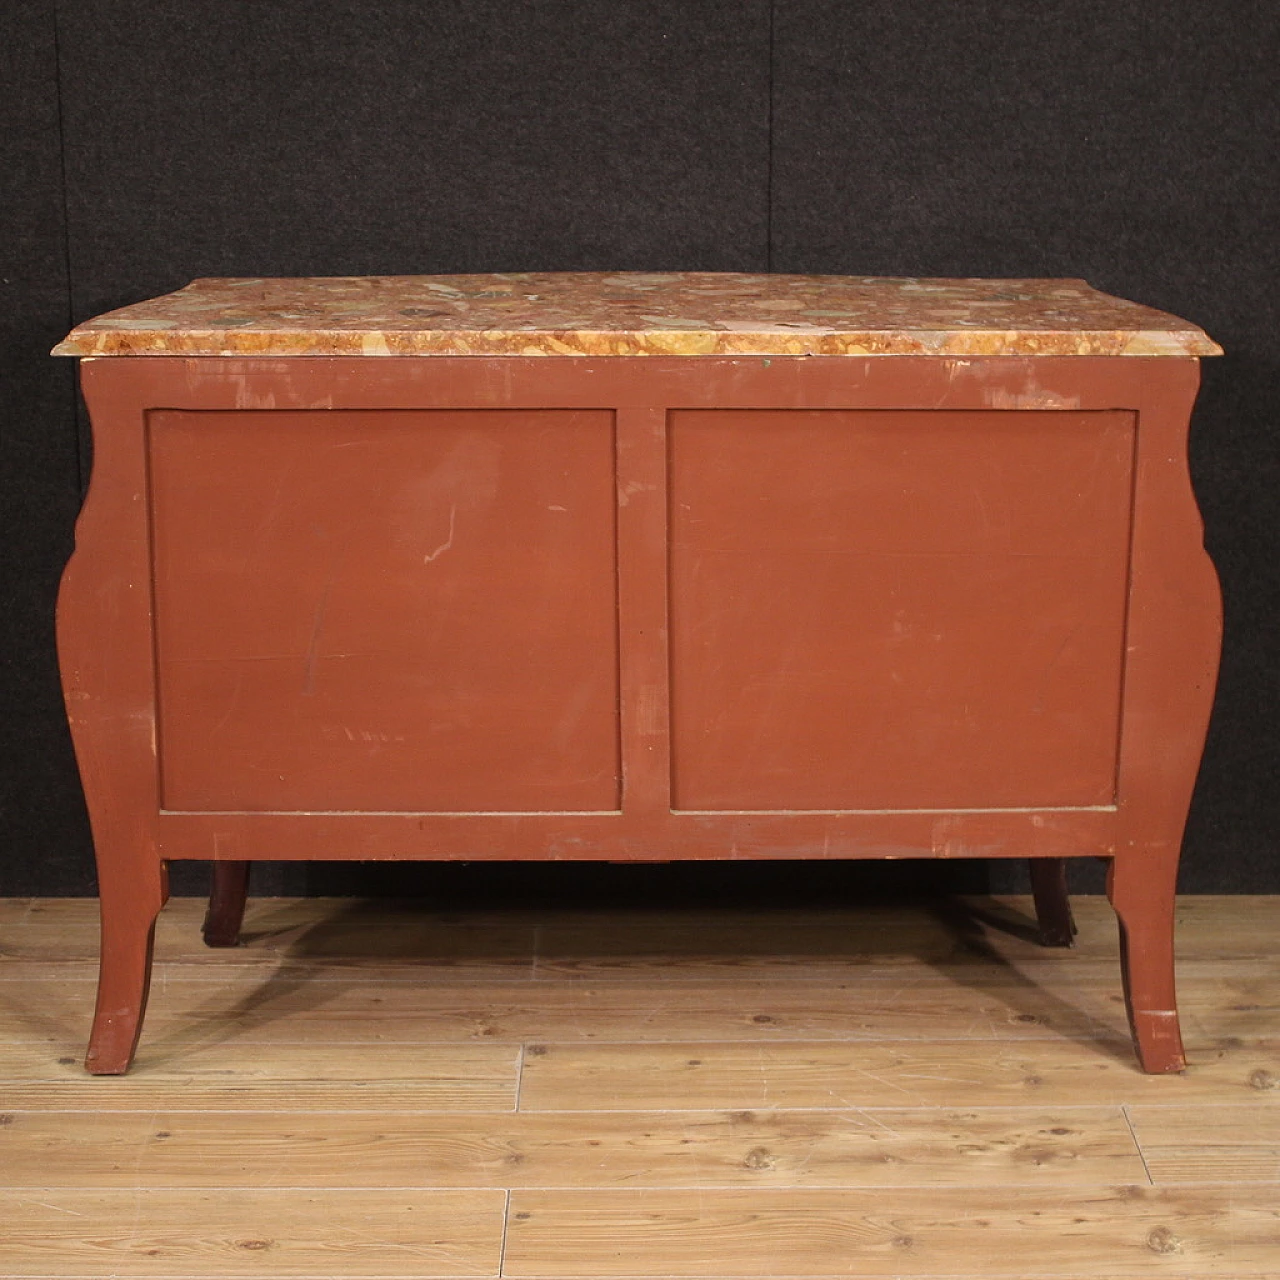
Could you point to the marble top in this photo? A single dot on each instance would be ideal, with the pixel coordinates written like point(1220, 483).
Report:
point(635, 314)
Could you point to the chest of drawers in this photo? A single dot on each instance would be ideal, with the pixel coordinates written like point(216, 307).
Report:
point(638, 567)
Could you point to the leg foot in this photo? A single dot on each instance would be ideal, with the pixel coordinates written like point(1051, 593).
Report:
point(1145, 914)
point(124, 974)
point(226, 904)
point(1053, 905)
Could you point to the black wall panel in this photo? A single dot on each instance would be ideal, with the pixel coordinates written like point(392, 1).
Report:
point(332, 137)
point(44, 841)
point(1132, 144)
point(1129, 143)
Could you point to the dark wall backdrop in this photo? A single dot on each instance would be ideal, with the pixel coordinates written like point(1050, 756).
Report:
point(145, 143)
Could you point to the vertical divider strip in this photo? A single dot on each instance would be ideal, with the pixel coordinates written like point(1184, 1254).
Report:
point(644, 684)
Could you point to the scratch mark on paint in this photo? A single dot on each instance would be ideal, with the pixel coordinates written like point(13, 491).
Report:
point(1042, 691)
point(628, 490)
point(448, 542)
point(233, 703)
point(1032, 396)
point(317, 625)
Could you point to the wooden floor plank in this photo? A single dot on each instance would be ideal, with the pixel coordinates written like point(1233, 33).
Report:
point(260, 1233)
point(1125, 1231)
point(213, 1075)
point(257, 1007)
point(677, 949)
point(274, 1008)
point(1209, 1143)
point(961, 1073)
point(950, 933)
point(428, 945)
point(15, 910)
point(214, 970)
point(579, 942)
point(994, 974)
point(993, 1147)
point(855, 1091)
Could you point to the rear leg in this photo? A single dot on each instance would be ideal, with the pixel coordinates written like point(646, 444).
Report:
point(226, 904)
point(1053, 905)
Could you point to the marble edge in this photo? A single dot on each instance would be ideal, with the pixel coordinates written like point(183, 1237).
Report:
point(285, 343)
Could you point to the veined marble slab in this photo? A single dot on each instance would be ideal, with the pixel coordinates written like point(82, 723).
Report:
point(635, 314)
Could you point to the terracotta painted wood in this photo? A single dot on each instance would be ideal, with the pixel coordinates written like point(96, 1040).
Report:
point(887, 609)
point(105, 639)
point(385, 611)
point(639, 608)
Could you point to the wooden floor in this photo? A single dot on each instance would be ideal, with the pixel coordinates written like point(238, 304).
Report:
point(372, 1090)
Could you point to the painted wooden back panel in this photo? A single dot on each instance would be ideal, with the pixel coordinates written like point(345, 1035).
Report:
point(897, 609)
point(386, 610)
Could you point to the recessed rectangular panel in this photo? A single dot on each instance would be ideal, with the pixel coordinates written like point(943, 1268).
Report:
point(897, 610)
point(386, 610)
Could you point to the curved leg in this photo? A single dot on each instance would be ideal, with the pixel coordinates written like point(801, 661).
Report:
point(129, 906)
point(1144, 906)
point(226, 904)
point(1053, 905)
point(106, 652)
point(1172, 639)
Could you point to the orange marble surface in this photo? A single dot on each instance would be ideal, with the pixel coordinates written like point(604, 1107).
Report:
point(635, 314)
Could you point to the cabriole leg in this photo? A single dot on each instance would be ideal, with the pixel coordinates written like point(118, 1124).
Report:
point(129, 906)
point(1144, 906)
